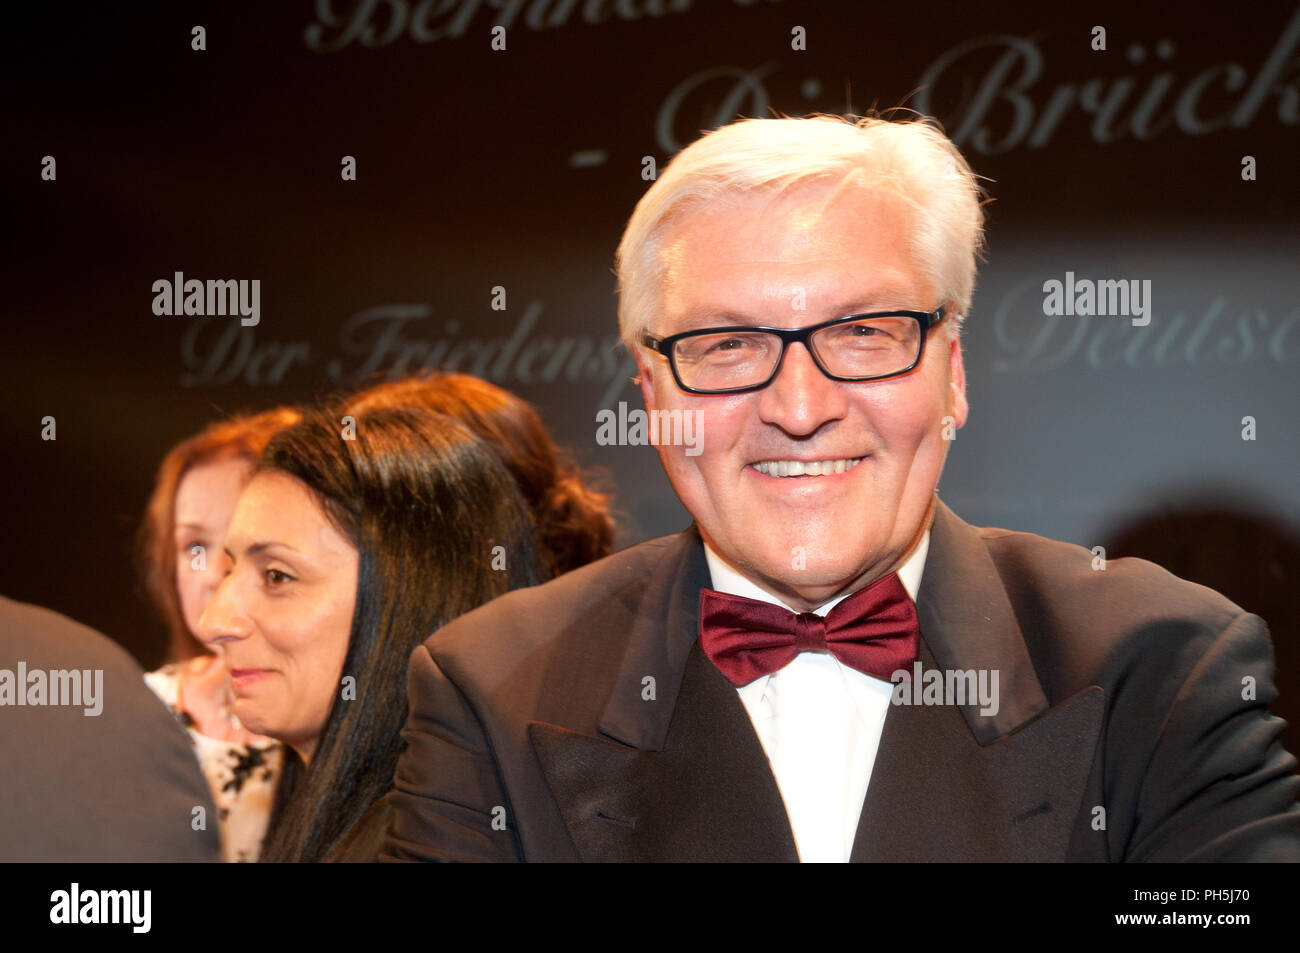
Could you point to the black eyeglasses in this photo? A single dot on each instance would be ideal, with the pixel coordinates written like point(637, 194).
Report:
point(860, 347)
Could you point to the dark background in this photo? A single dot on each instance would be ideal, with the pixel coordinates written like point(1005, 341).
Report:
point(479, 168)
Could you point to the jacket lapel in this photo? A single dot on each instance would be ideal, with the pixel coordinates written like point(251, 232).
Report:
point(708, 795)
point(678, 773)
point(936, 794)
point(950, 783)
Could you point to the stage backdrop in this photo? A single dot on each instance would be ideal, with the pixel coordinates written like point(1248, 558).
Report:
point(443, 183)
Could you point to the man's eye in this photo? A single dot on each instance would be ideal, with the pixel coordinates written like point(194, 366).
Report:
point(729, 344)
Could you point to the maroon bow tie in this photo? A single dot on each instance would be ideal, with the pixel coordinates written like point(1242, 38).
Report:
point(874, 631)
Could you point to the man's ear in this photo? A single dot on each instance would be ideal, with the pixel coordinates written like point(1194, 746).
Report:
point(645, 375)
point(957, 383)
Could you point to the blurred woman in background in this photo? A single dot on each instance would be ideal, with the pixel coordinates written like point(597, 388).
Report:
point(198, 484)
point(573, 520)
point(352, 543)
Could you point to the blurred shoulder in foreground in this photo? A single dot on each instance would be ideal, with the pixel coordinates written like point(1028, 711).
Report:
point(95, 769)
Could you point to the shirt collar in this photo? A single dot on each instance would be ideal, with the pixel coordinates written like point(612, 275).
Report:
point(725, 579)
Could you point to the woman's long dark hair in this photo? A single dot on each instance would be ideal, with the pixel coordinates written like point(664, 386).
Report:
point(426, 504)
point(573, 519)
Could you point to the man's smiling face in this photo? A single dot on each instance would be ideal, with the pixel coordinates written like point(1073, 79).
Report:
point(815, 253)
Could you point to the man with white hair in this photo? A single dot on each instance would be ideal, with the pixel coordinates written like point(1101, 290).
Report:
point(830, 665)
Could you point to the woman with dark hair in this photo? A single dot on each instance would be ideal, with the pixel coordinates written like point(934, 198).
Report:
point(199, 481)
point(573, 520)
point(351, 545)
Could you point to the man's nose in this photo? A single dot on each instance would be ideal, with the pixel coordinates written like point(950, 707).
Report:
point(223, 619)
point(801, 399)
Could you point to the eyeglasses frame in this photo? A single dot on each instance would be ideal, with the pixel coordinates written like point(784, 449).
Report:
point(788, 336)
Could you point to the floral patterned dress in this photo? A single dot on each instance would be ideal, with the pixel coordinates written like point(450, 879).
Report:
point(241, 769)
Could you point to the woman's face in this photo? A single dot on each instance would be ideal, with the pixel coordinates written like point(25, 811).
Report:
point(205, 500)
point(282, 615)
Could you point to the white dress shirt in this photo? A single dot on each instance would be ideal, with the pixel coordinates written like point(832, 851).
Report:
point(820, 723)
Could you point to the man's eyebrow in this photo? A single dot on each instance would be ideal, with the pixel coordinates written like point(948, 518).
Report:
point(887, 304)
point(710, 318)
point(887, 299)
point(884, 299)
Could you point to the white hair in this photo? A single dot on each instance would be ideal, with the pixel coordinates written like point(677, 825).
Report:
point(911, 159)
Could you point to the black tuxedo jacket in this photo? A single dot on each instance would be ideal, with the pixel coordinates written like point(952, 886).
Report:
point(579, 720)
